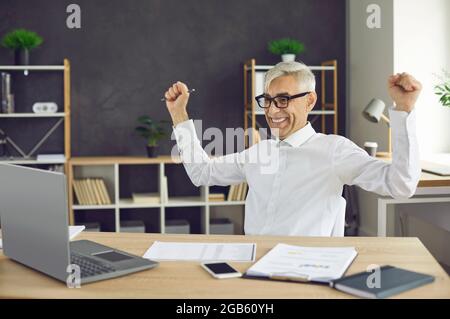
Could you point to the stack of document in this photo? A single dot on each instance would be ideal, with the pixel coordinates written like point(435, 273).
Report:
point(146, 198)
point(172, 251)
point(74, 231)
point(318, 264)
point(51, 158)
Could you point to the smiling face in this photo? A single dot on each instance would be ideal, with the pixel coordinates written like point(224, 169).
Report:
point(284, 122)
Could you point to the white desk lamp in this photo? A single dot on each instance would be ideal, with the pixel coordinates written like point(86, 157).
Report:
point(374, 113)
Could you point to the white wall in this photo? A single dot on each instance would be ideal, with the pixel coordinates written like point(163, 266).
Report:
point(422, 48)
point(370, 60)
point(414, 37)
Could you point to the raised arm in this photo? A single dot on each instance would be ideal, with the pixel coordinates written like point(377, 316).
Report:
point(201, 169)
point(400, 178)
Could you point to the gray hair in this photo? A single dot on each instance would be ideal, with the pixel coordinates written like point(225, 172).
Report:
point(304, 76)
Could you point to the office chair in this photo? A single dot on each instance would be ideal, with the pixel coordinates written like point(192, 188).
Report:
point(339, 224)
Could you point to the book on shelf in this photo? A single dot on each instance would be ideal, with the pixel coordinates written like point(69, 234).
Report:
point(91, 191)
point(216, 197)
point(77, 192)
point(84, 199)
point(85, 189)
point(146, 198)
point(244, 191)
point(94, 190)
point(99, 191)
point(237, 192)
point(105, 192)
point(230, 193)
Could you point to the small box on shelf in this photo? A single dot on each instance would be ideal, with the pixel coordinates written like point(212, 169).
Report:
point(221, 226)
point(177, 226)
point(92, 227)
point(132, 226)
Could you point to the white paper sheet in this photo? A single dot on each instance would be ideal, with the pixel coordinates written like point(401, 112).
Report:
point(321, 264)
point(173, 251)
point(75, 230)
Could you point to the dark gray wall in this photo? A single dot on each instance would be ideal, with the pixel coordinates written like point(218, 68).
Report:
point(128, 52)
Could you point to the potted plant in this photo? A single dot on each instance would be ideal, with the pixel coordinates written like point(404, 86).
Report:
point(287, 48)
point(152, 131)
point(21, 41)
point(443, 90)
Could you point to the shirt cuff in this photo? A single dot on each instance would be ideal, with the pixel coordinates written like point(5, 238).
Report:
point(185, 133)
point(402, 123)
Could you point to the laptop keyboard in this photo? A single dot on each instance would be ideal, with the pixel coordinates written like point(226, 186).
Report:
point(89, 266)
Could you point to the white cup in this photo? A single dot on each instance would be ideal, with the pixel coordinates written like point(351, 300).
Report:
point(371, 148)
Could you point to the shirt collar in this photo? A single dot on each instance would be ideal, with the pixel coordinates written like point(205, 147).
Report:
point(299, 137)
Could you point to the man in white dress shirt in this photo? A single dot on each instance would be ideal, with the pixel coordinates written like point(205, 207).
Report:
point(302, 196)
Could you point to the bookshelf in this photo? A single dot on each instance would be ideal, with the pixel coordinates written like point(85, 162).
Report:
point(62, 118)
point(109, 169)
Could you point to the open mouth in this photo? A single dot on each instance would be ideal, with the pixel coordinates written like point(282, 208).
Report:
point(279, 122)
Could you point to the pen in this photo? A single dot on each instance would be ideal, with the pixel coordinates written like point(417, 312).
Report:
point(189, 91)
point(300, 278)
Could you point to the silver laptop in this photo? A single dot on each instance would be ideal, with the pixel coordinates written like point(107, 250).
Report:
point(34, 217)
point(435, 168)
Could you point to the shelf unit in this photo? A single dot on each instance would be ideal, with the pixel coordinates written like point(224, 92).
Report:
point(252, 110)
point(63, 118)
point(20, 115)
point(108, 169)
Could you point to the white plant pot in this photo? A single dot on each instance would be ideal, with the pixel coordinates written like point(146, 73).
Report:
point(288, 57)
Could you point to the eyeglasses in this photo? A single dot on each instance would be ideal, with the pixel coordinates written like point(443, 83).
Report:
point(281, 101)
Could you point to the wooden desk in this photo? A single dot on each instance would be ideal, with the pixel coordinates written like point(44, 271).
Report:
point(188, 280)
point(432, 188)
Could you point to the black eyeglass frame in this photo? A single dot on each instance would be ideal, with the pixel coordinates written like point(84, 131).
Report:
point(272, 99)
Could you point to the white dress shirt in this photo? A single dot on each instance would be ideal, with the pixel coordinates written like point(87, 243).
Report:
point(295, 185)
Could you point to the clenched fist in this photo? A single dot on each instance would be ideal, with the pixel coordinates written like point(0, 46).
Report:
point(177, 97)
point(404, 89)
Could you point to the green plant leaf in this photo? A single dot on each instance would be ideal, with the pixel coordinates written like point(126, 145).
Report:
point(145, 120)
point(286, 46)
point(151, 130)
point(21, 39)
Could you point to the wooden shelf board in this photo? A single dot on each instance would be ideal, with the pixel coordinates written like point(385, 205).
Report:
point(312, 68)
point(32, 161)
point(32, 67)
point(128, 203)
point(28, 115)
point(89, 207)
point(124, 160)
point(185, 201)
point(226, 203)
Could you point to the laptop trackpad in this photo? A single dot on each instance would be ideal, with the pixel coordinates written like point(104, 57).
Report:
point(111, 256)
